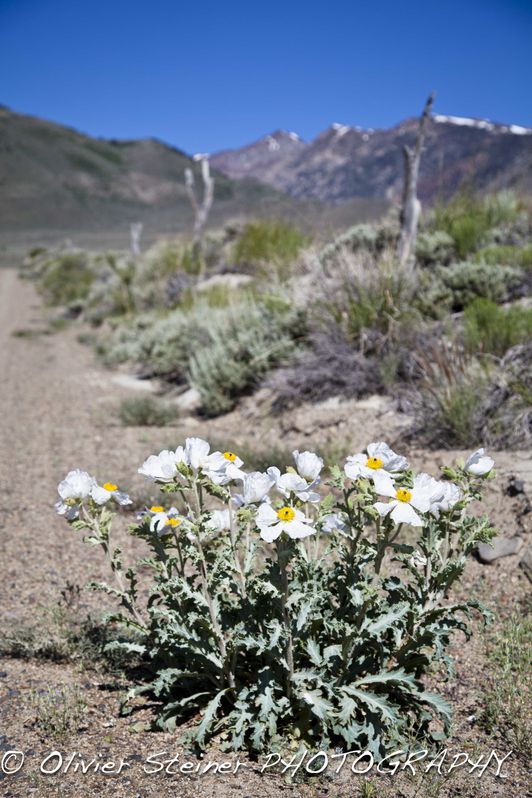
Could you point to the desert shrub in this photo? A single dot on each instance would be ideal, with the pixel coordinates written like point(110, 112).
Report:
point(434, 247)
point(370, 238)
point(467, 219)
point(66, 278)
point(507, 256)
point(489, 328)
point(448, 396)
point(330, 366)
point(146, 411)
point(244, 343)
point(452, 288)
point(365, 296)
point(289, 615)
point(268, 242)
point(505, 410)
point(507, 698)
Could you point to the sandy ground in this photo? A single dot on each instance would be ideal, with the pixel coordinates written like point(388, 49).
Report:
point(57, 413)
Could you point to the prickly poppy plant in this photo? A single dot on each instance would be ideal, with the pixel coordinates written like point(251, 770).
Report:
point(284, 608)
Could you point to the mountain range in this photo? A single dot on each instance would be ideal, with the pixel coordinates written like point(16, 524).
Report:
point(345, 162)
point(57, 182)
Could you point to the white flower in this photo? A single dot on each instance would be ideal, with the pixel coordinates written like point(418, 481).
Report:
point(75, 487)
point(162, 467)
point(405, 501)
point(479, 464)
point(418, 560)
point(380, 461)
point(102, 493)
point(308, 465)
point(214, 464)
point(163, 522)
point(444, 497)
point(255, 486)
point(292, 483)
point(333, 522)
point(271, 523)
point(220, 520)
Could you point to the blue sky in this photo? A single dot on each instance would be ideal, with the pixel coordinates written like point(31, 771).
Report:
point(208, 75)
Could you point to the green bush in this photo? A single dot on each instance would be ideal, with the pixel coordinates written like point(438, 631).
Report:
point(507, 256)
point(146, 411)
point(268, 242)
point(452, 288)
point(67, 278)
point(489, 328)
point(467, 219)
point(434, 247)
point(243, 345)
point(369, 238)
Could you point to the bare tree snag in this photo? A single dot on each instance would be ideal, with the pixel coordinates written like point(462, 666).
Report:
point(411, 206)
point(201, 209)
point(135, 231)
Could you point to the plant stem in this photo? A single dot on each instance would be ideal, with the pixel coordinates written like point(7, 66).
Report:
point(282, 560)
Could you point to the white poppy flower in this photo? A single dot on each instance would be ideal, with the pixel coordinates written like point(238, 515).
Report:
point(102, 493)
point(405, 501)
point(162, 467)
point(445, 496)
point(163, 522)
point(479, 464)
point(255, 486)
point(308, 465)
point(220, 520)
point(213, 464)
point(75, 487)
point(292, 483)
point(272, 522)
point(380, 461)
point(333, 522)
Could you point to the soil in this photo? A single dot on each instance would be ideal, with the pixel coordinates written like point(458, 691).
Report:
point(57, 412)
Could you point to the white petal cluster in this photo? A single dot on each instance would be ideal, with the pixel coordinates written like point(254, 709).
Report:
point(426, 495)
point(164, 521)
point(379, 465)
point(196, 455)
point(256, 485)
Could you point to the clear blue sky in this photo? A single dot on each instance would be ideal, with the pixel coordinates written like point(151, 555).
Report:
point(214, 74)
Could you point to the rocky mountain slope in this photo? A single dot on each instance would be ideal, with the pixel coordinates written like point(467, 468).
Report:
point(346, 162)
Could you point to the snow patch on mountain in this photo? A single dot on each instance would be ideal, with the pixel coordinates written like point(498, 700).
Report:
point(481, 124)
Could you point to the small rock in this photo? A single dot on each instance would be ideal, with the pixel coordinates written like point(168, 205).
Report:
point(515, 486)
point(499, 547)
point(526, 562)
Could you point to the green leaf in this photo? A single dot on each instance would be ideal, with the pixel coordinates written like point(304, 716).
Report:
point(319, 705)
point(209, 717)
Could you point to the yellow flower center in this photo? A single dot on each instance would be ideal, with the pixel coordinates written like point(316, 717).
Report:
point(403, 495)
point(110, 486)
point(286, 514)
point(374, 462)
point(231, 456)
point(174, 522)
point(156, 508)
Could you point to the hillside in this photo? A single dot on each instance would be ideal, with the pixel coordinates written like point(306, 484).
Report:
point(346, 162)
point(57, 181)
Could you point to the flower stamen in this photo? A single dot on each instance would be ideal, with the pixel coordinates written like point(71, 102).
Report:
point(231, 456)
point(174, 522)
point(156, 508)
point(403, 495)
point(110, 486)
point(286, 514)
point(374, 462)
